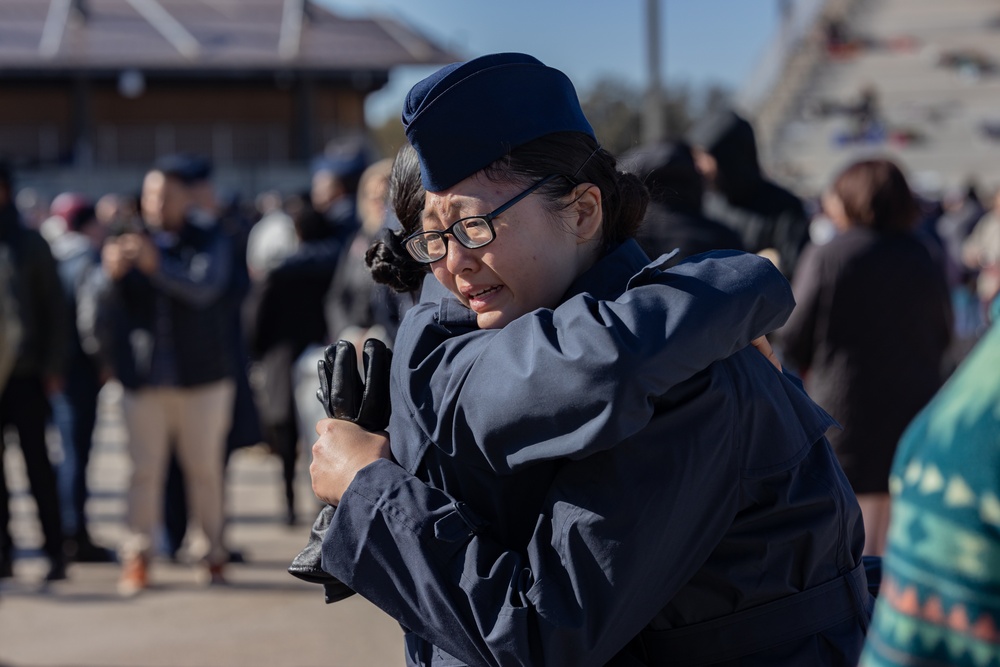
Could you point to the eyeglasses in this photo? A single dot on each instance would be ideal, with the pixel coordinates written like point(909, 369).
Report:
point(472, 232)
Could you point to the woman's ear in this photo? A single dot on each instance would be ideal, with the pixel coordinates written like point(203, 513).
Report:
point(588, 212)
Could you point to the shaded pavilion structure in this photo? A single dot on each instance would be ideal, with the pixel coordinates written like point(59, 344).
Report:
point(102, 87)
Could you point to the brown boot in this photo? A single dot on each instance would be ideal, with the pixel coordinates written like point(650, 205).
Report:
point(215, 575)
point(135, 576)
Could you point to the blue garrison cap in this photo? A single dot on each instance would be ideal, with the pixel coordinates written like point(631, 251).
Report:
point(467, 115)
point(187, 168)
point(343, 158)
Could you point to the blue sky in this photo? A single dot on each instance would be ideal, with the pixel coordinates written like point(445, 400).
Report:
point(703, 41)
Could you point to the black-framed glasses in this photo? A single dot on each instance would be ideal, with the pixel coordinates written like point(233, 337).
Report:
point(473, 232)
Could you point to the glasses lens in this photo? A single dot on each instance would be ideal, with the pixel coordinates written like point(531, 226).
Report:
point(428, 247)
point(436, 246)
point(474, 232)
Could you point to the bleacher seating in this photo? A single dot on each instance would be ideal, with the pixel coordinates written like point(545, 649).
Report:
point(935, 70)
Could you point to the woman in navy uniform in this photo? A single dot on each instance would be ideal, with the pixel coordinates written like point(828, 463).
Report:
point(564, 489)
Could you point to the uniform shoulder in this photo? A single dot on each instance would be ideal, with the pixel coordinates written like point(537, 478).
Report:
point(778, 420)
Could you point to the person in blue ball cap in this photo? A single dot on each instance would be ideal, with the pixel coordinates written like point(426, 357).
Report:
point(586, 463)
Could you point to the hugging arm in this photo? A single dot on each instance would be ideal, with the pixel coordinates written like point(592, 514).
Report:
point(593, 575)
point(606, 359)
point(581, 378)
point(345, 397)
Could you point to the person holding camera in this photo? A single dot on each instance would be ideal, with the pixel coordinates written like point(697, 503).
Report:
point(167, 334)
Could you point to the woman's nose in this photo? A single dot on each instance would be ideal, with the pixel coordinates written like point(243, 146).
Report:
point(459, 258)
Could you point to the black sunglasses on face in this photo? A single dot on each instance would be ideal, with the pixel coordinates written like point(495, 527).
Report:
point(473, 232)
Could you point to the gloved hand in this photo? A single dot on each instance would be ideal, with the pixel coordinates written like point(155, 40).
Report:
point(346, 396)
point(342, 392)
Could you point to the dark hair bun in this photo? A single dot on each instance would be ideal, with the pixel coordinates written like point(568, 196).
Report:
point(391, 265)
point(632, 200)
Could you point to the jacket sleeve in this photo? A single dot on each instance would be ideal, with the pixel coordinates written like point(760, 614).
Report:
point(198, 280)
point(606, 359)
point(592, 576)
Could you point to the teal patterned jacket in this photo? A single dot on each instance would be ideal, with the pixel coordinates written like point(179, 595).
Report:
point(940, 597)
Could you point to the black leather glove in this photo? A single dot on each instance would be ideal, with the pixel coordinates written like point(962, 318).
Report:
point(346, 396)
point(343, 393)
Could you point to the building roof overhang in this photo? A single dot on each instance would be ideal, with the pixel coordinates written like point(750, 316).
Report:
point(235, 39)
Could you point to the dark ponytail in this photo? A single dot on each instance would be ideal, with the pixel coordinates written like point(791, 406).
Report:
point(624, 213)
point(388, 260)
point(391, 265)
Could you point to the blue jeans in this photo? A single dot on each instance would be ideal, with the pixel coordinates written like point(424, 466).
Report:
point(74, 412)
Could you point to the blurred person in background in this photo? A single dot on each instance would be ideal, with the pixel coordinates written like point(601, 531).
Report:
point(117, 213)
point(334, 186)
point(870, 328)
point(356, 307)
point(209, 209)
point(33, 207)
point(336, 177)
point(284, 318)
point(36, 376)
point(981, 254)
point(272, 238)
point(674, 217)
point(167, 328)
point(961, 209)
point(771, 220)
point(78, 253)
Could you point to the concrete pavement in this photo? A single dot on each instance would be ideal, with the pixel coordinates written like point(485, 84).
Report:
point(264, 617)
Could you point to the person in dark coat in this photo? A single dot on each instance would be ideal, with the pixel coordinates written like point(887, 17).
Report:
point(165, 326)
point(767, 217)
point(573, 480)
point(334, 186)
point(356, 307)
point(870, 328)
point(38, 373)
point(245, 428)
point(284, 316)
point(674, 218)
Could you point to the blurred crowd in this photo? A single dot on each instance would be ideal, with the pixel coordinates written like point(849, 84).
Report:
point(211, 316)
point(207, 314)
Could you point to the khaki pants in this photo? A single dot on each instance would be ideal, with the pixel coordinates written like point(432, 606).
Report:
point(194, 420)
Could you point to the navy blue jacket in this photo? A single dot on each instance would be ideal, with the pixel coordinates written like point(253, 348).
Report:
point(43, 348)
point(544, 511)
point(188, 289)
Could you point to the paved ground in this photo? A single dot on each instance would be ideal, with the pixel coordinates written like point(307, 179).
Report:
point(264, 617)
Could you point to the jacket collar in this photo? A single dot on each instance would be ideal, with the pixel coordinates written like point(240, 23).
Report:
point(608, 278)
